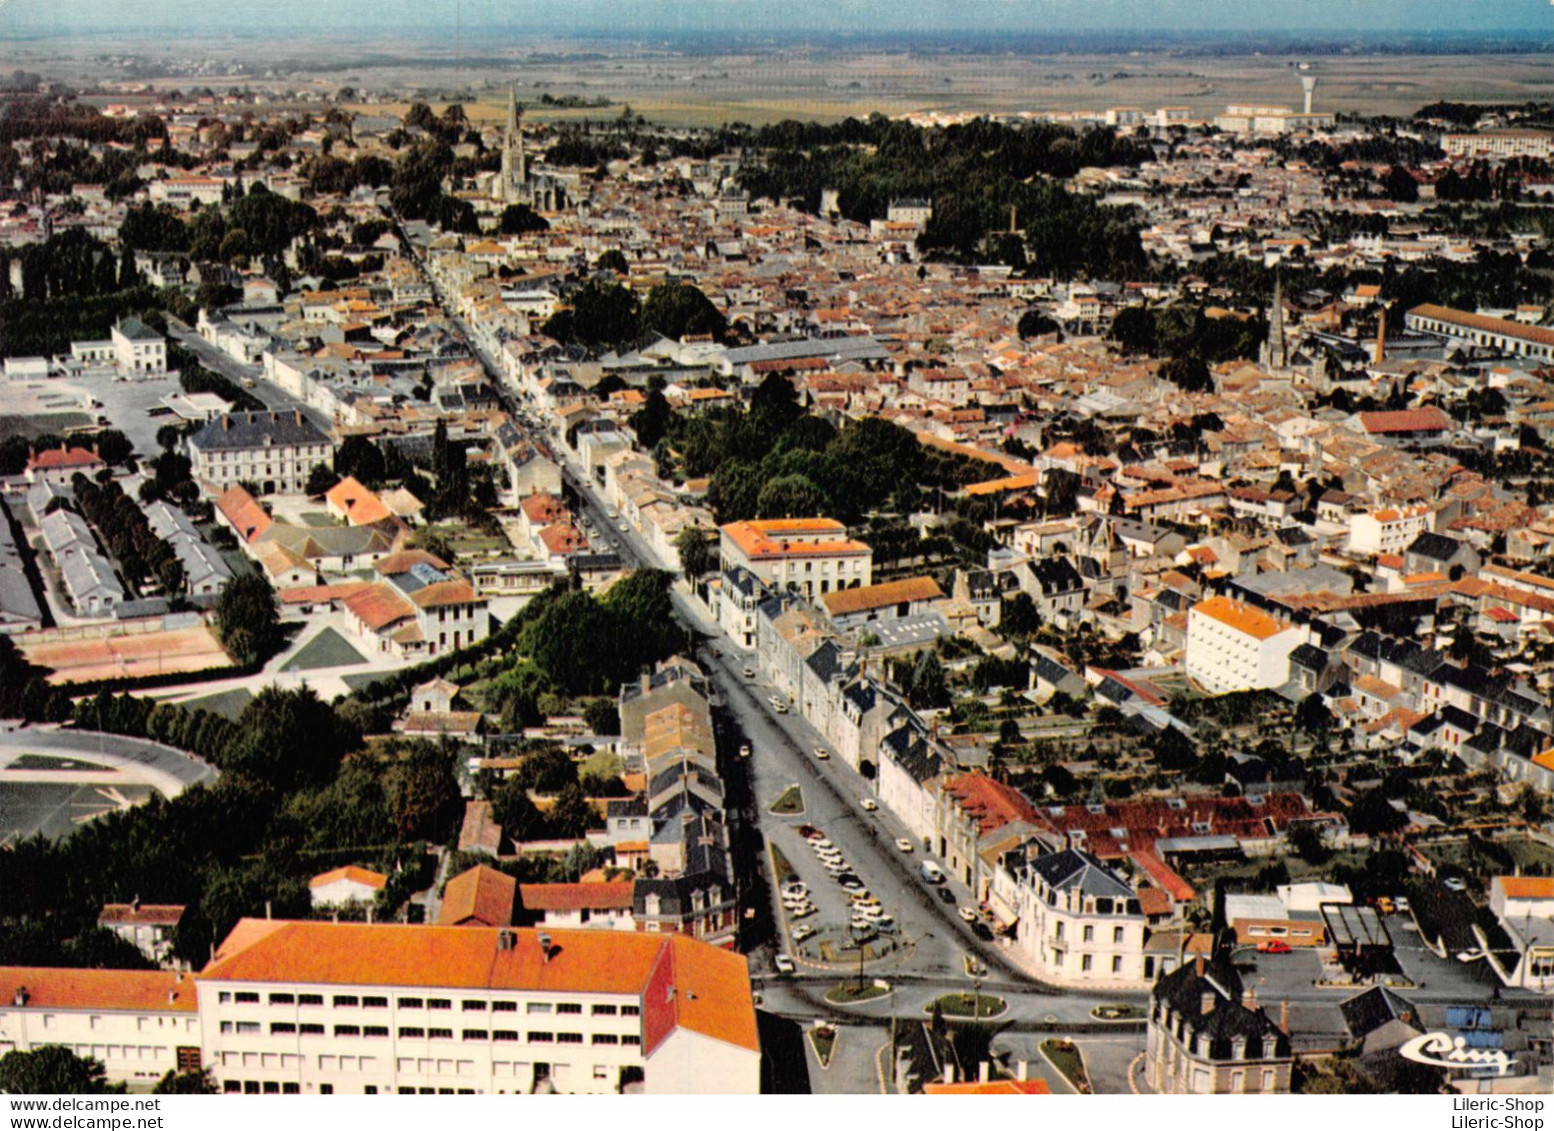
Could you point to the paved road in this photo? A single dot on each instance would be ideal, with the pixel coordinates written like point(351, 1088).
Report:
point(168, 769)
point(248, 377)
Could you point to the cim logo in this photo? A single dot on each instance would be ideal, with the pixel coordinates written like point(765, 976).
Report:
point(1442, 1050)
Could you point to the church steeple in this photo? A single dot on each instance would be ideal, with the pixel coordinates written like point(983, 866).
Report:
point(1275, 351)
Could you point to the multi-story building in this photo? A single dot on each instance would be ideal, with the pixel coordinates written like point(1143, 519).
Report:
point(1500, 143)
point(148, 927)
point(1079, 922)
point(1235, 647)
point(1502, 334)
point(1387, 531)
point(273, 450)
point(137, 348)
point(810, 555)
point(419, 608)
point(1208, 1036)
point(313, 1007)
point(139, 1024)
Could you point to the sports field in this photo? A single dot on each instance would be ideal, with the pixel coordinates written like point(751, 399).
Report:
point(57, 809)
point(127, 657)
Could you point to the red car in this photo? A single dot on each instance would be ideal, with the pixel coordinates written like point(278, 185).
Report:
point(1274, 946)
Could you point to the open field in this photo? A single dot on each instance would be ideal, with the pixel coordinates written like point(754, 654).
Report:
point(326, 650)
point(227, 704)
point(57, 809)
point(126, 657)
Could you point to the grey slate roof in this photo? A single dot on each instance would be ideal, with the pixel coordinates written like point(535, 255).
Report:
point(1073, 869)
point(240, 430)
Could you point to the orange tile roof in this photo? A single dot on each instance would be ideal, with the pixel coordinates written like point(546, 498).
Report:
point(1427, 419)
point(150, 991)
point(480, 896)
point(151, 914)
point(711, 986)
point(1526, 887)
point(312, 594)
point(452, 592)
point(53, 458)
point(756, 543)
point(989, 1088)
point(1506, 326)
point(609, 895)
point(1243, 618)
point(390, 564)
point(378, 605)
point(360, 505)
point(374, 880)
point(992, 803)
point(243, 512)
point(845, 601)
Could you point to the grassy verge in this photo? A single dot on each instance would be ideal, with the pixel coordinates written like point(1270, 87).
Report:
point(780, 866)
point(848, 993)
point(969, 1005)
point(1117, 1011)
point(1065, 1057)
point(823, 1038)
point(790, 804)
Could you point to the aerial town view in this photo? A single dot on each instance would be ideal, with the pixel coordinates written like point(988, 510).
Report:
point(880, 549)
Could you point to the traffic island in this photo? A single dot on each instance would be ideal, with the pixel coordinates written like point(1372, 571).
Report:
point(968, 1007)
point(1118, 1011)
point(790, 804)
point(848, 993)
point(823, 1039)
point(1064, 1056)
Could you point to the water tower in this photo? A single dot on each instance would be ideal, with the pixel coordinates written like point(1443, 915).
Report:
point(1309, 85)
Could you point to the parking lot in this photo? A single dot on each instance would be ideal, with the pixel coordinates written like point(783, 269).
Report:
point(128, 406)
point(826, 916)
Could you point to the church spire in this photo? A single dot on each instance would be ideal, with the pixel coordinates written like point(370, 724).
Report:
point(1275, 353)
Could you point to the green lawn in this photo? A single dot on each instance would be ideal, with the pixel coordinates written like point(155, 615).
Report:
point(317, 518)
point(326, 650)
point(1117, 1011)
point(790, 804)
point(228, 704)
point(780, 866)
point(55, 762)
point(824, 1039)
point(848, 993)
point(969, 1006)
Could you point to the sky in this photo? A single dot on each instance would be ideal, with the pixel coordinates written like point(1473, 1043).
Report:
point(305, 17)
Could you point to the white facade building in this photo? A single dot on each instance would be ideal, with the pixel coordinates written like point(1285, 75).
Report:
point(808, 555)
point(1079, 922)
point(1388, 531)
point(1235, 647)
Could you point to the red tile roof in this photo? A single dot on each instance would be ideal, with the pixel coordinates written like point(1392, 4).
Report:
point(51, 459)
point(611, 895)
point(150, 991)
point(243, 512)
point(992, 803)
point(1427, 419)
point(378, 605)
point(990, 1088)
point(374, 880)
point(480, 896)
point(148, 914)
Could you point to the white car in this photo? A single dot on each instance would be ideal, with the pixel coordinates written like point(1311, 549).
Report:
point(869, 804)
point(822, 753)
point(801, 932)
point(903, 844)
point(802, 911)
point(969, 914)
point(795, 889)
point(821, 843)
point(784, 964)
point(744, 751)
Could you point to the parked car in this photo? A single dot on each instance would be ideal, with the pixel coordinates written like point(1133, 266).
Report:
point(1454, 883)
point(795, 889)
point(885, 925)
point(744, 751)
point(749, 672)
point(931, 872)
point(783, 963)
point(946, 895)
point(1401, 903)
point(1274, 946)
point(822, 753)
point(869, 804)
point(803, 911)
point(801, 932)
point(903, 844)
point(810, 832)
point(969, 914)
point(821, 842)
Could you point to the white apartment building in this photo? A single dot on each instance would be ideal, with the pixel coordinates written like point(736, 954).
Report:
point(314, 1007)
point(275, 450)
point(138, 1023)
point(1235, 647)
point(138, 348)
point(1388, 531)
point(1079, 922)
point(811, 556)
point(1500, 143)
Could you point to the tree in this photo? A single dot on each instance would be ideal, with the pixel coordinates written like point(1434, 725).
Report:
point(361, 459)
point(928, 689)
point(1034, 323)
point(1189, 373)
point(1399, 185)
point(571, 816)
point(197, 1083)
point(599, 314)
point(53, 1070)
point(113, 446)
point(247, 620)
point(321, 479)
point(697, 556)
point(651, 421)
point(517, 219)
point(676, 309)
point(423, 792)
point(602, 716)
point(1019, 616)
point(515, 811)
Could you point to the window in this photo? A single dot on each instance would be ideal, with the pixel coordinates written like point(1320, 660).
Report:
point(440, 1034)
point(281, 999)
point(471, 1005)
point(246, 998)
point(569, 1038)
point(1089, 934)
point(281, 1027)
point(504, 1006)
point(348, 1030)
point(1117, 964)
point(343, 1001)
point(411, 1003)
point(606, 1039)
point(631, 1010)
point(326, 1089)
point(1116, 934)
point(603, 1011)
point(374, 1003)
point(370, 1090)
point(224, 997)
point(438, 1003)
point(311, 1030)
point(411, 1032)
point(630, 1039)
point(476, 1035)
point(374, 1030)
point(539, 1038)
point(1084, 962)
point(290, 1088)
point(569, 1007)
point(310, 999)
point(504, 1035)
point(537, 1007)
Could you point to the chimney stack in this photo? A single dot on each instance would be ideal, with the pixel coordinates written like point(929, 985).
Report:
point(267, 909)
point(1209, 999)
point(949, 1073)
point(1198, 963)
point(1381, 338)
point(1284, 1017)
point(985, 1071)
point(20, 997)
point(1249, 998)
point(1021, 1069)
